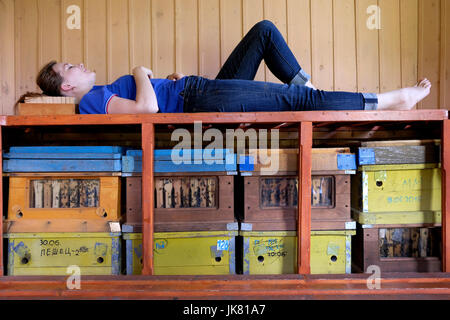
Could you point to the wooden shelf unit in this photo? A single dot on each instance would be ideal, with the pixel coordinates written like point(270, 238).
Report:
point(304, 122)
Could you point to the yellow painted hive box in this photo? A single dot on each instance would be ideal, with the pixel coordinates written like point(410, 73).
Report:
point(35, 199)
point(397, 194)
point(184, 253)
point(275, 252)
point(53, 253)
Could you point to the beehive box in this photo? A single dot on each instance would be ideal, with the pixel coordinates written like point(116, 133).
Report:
point(63, 159)
point(183, 203)
point(390, 194)
point(399, 152)
point(271, 188)
point(53, 253)
point(36, 201)
point(281, 161)
point(268, 252)
point(182, 160)
point(271, 202)
point(184, 253)
point(400, 248)
point(194, 195)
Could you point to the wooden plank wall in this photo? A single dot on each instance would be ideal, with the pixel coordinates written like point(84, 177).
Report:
point(331, 39)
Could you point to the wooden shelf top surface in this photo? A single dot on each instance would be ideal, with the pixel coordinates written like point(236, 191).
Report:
point(392, 286)
point(229, 117)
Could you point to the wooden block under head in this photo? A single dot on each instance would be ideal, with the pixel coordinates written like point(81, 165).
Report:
point(40, 109)
point(49, 99)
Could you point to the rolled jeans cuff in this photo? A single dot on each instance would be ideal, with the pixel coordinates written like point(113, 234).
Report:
point(301, 78)
point(370, 101)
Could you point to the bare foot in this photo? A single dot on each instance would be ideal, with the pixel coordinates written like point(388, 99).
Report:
point(406, 98)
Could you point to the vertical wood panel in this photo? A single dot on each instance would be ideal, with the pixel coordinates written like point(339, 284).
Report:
point(209, 38)
point(253, 12)
point(96, 51)
point(196, 36)
point(299, 31)
point(275, 11)
point(429, 49)
point(445, 56)
point(118, 39)
point(186, 21)
point(140, 33)
point(322, 44)
point(409, 41)
point(49, 31)
point(344, 45)
point(163, 37)
point(230, 26)
point(390, 65)
point(26, 45)
point(72, 39)
point(367, 49)
point(7, 57)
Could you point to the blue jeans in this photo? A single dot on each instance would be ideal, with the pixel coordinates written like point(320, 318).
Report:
point(234, 90)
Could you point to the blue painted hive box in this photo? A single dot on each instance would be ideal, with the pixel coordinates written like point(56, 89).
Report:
point(63, 159)
point(183, 160)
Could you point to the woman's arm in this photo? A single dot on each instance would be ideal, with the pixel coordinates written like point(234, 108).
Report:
point(145, 95)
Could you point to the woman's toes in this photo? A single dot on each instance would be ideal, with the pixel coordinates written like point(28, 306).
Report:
point(425, 83)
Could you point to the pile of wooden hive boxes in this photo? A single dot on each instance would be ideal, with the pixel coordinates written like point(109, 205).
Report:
point(217, 213)
point(63, 210)
point(397, 206)
point(194, 222)
point(269, 224)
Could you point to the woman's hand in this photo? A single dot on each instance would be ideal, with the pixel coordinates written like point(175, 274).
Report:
point(145, 102)
point(175, 76)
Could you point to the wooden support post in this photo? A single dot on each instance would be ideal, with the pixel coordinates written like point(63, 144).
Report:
point(445, 161)
point(304, 198)
point(148, 143)
point(1, 203)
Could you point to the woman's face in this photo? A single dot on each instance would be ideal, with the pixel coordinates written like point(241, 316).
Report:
point(76, 77)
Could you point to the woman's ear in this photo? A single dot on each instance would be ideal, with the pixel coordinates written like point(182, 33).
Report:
point(66, 87)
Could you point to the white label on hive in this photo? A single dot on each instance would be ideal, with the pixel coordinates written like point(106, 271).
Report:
point(114, 226)
point(223, 245)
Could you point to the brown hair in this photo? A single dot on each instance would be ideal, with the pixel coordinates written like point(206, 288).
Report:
point(49, 80)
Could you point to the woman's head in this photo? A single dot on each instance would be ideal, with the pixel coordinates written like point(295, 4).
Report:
point(49, 80)
point(56, 79)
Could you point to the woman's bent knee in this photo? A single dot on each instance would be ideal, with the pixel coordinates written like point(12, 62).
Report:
point(264, 25)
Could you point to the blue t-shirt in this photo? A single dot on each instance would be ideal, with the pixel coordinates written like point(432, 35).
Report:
point(167, 94)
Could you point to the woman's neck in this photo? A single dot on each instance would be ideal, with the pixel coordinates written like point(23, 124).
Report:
point(79, 95)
